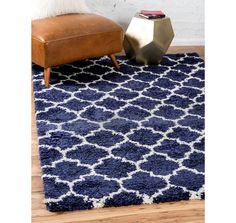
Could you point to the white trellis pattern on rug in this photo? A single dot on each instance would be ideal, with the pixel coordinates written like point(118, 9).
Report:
point(111, 138)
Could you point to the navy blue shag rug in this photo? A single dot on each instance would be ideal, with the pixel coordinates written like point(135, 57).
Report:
point(109, 138)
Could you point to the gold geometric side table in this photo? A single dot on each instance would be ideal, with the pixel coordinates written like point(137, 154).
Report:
point(147, 40)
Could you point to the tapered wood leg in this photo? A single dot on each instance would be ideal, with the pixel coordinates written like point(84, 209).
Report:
point(114, 61)
point(47, 76)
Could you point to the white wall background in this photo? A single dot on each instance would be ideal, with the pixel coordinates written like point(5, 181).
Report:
point(187, 16)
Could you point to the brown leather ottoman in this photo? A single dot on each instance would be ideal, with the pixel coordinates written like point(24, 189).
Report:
point(68, 38)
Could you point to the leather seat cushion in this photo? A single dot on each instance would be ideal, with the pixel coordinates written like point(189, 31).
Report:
point(67, 38)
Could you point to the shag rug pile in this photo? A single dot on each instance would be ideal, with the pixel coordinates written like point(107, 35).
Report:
point(115, 138)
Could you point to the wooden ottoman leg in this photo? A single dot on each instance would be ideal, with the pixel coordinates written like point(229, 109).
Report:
point(114, 61)
point(47, 76)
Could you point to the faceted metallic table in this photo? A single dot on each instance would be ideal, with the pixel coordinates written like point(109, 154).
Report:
point(147, 40)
